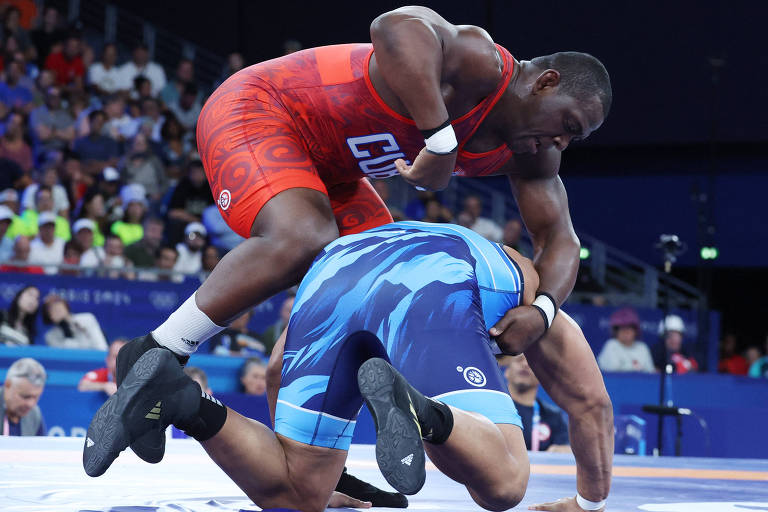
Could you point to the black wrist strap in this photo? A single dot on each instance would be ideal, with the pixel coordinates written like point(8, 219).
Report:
point(428, 133)
point(543, 315)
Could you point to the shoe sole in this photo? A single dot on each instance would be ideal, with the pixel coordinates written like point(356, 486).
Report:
point(151, 446)
point(108, 434)
point(399, 447)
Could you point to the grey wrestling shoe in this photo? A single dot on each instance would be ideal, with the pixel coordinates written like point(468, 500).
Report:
point(151, 446)
point(399, 447)
point(154, 394)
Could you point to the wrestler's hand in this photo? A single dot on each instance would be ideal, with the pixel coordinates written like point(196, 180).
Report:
point(341, 500)
point(429, 171)
point(518, 329)
point(561, 505)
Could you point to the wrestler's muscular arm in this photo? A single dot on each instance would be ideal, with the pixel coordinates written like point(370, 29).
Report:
point(409, 46)
point(544, 207)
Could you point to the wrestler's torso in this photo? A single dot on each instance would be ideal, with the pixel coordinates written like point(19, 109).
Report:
point(348, 129)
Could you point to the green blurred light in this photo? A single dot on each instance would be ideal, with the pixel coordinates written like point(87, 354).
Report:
point(584, 253)
point(709, 253)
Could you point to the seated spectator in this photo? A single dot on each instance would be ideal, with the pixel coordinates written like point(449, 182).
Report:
point(49, 177)
point(141, 166)
point(140, 65)
point(624, 352)
point(6, 242)
point(12, 27)
point(104, 76)
point(67, 63)
point(92, 207)
point(512, 234)
point(72, 254)
point(237, 339)
point(52, 124)
point(544, 428)
point(191, 249)
point(84, 230)
point(10, 199)
point(211, 258)
point(165, 260)
point(47, 248)
point(672, 351)
point(185, 74)
point(96, 150)
point(130, 229)
point(44, 203)
point(176, 143)
point(49, 34)
point(190, 198)
point(103, 379)
point(199, 376)
point(112, 257)
point(253, 377)
point(120, 126)
point(731, 361)
point(13, 93)
point(71, 330)
point(273, 332)
point(13, 146)
point(24, 384)
point(19, 257)
point(143, 253)
point(109, 185)
point(151, 121)
point(436, 212)
point(187, 108)
point(759, 366)
point(484, 226)
point(220, 233)
point(235, 63)
point(18, 326)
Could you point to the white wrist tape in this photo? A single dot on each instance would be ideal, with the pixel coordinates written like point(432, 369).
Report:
point(589, 505)
point(547, 305)
point(443, 141)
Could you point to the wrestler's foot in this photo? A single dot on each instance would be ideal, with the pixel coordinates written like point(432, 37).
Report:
point(151, 446)
point(356, 488)
point(154, 394)
point(399, 448)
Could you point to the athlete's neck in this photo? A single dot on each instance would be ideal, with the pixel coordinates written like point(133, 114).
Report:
point(524, 396)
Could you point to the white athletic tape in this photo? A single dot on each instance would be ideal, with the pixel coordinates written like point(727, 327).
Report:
point(547, 305)
point(589, 505)
point(443, 141)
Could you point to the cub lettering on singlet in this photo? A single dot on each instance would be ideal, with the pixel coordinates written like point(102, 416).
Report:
point(381, 166)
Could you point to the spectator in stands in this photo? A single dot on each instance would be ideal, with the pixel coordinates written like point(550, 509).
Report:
point(141, 65)
point(759, 366)
point(151, 121)
point(190, 198)
point(83, 230)
point(12, 27)
point(71, 330)
point(21, 255)
point(199, 376)
point(185, 74)
point(44, 203)
point(49, 35)
point(67, 64)
point(49, 177)
point(484, 226)
point(11, 175)
point(91, 206)
point(13, 146)
point(110, 257)
point(235, 63)
point(143, 252)
point(72, 254)
point(47, 248)
point(624, 352)
point(166, 260)
point(130, 229)
point(10, 199)
point(672, 350)
point(187, 108)
point(24, 384)
point(512, 233)
point(436, 212)
point(220, 234)
point(109, 186)
point(731, 361)
point(142, 166)
point(120, 126)
point(96, 150)
point(191, 249)
point(18, 326)
point(13, 93)
point(103, 379)
point(544, 428)
point(253, 376)
point(175, 145)
point(52, 124)
point(104, 76)
point(238, 340)
point(273, 332)
point(142, 89)
point(6, 242)
point(211, 258)
point(44, 81)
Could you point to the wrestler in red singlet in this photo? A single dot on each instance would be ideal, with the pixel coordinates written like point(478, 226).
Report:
point(312, 119)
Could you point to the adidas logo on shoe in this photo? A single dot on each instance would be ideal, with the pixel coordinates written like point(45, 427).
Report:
point(154, 414)
point(407, 460)
point(89, 442)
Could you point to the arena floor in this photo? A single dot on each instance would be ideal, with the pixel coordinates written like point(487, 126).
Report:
point(45, 474)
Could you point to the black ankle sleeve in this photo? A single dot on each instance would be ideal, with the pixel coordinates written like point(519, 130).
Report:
point(209, 419)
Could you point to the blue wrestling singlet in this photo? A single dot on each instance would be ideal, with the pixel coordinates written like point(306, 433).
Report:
point(429, 293)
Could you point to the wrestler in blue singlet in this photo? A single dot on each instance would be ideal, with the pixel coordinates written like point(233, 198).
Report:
point(429, 293)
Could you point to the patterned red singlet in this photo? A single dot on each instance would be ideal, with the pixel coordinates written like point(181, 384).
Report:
point(312, 119)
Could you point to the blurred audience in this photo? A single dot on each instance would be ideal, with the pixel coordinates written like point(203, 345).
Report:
point(18, 325)
point(47, 248)
point(6, 242)
point(130, 229)
point(731, 361)
point(473, 208)
point(237, 339)
point(624, 352)
point(104, 76)
point(672, 350)
point(20, 258)
point(71, 330)
point(199, 376)
point(270, 336)
point(13, 146)
point(103, 379)
point(190, 251)
point(24, 385)
point(759, 366)
point(253, 376)
point(141, 65)
point(144, 252)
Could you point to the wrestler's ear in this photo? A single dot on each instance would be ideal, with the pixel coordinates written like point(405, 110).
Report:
point(548, 79)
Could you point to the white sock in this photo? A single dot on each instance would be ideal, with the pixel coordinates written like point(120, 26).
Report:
point(186, 329)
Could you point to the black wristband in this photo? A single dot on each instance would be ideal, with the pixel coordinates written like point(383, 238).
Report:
point(428, 133)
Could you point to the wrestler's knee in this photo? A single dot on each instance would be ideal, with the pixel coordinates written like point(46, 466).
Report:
point(501, 496)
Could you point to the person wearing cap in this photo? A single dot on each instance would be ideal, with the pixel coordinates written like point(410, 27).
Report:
point(24, 384)
point(191, 249)
point(10, 199)
point(672, 350)
point(624, 352)
point(44, 203)
point(47, 248)
point(130, 229)
point(84, 230)
point(6, 242)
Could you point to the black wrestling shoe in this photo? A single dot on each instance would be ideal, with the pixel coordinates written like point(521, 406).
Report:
point(356, 488)
point(151, 446)
point(154, 394)
point(399, 447)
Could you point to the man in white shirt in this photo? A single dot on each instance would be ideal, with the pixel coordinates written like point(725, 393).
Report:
point(191, 250)
point(141, 65)
point(6, 242)
point(83, 231)
point(46, 248)
point(624, 352)
point(105, 75)
point(483, 226)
